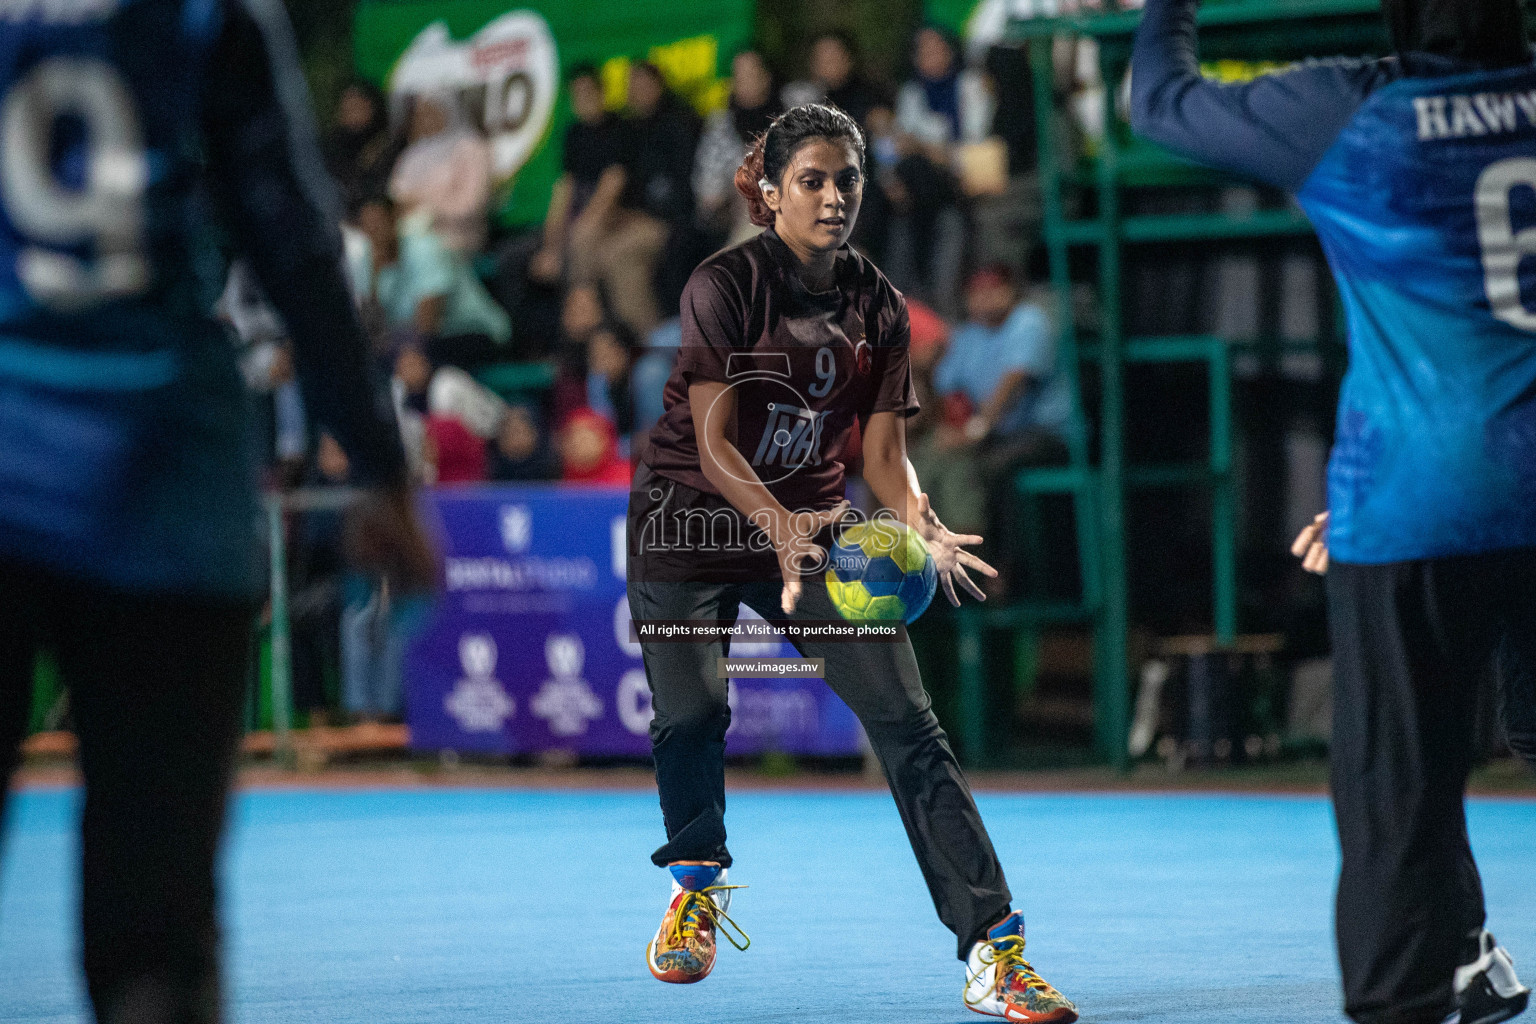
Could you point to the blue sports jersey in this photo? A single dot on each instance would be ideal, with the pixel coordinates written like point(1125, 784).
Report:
point(140, 137)
point(1420, 178)
point(1426, 208)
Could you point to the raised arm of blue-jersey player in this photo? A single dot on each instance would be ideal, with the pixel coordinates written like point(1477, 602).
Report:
point(280, 209)
point(1274, 129)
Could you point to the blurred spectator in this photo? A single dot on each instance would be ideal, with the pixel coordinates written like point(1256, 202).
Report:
point(359, 149)
point(663, 136)
point(410, 378)
point(372, 652)
point(1006, 224)
point(443, 177)
point(938, 109)
point(583, 312)
point(420, 287)
point(622, 245)
point(266, 362)
point(522, 451)
point(1002, 394)
point(592, 175)
point(589, 451)
point(727, 137)
point(1003, 359)
point(881, 186)
point(943, 104)
point(453, 451)
point(446, 416)
point(946, 462)
point(453, 392)
point(412, 375)
point(315, 583)
point(834, 78)
point(648, 379)
point(597, 379)
point(331, 600)
point(929, 339)
point(610, 354)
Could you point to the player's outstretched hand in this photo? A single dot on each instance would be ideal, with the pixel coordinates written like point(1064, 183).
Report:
point(949, 555)
point(385, 536)
point(1311, 545)
point(794, 544)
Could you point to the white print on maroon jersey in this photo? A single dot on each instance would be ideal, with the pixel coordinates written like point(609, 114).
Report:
point(791, 437)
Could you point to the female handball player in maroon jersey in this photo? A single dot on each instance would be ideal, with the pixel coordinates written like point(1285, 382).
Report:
point(788, 340)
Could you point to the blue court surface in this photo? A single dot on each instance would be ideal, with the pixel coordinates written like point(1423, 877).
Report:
point(460, 906)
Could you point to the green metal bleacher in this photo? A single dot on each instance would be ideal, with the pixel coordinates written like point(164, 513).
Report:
point(1278, 30)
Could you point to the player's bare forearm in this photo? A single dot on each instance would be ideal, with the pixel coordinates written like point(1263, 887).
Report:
point(723, 465)
point(886, 469)
point(893, 479)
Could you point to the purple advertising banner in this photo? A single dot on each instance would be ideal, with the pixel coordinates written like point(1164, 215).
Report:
point(529, 648)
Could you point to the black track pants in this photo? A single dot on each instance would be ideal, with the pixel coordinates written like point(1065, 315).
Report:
point(1411, 642)
point(878, 681)
point(156, 685)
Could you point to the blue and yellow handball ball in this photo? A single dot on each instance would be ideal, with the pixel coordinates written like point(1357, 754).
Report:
point(881, 570)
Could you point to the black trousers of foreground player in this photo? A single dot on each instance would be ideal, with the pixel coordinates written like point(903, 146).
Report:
point(878, 681)
point(1412, 642)
point(156, 686)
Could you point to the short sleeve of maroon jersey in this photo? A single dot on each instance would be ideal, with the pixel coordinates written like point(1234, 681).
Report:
point(714, 317)
point(894, 391)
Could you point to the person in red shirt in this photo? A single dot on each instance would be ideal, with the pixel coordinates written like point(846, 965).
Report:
point(589, 451)
point(789, 340)
point(457, 455)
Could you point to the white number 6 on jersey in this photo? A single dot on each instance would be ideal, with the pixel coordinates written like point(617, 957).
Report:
point(1503, 246)
point(106, 211)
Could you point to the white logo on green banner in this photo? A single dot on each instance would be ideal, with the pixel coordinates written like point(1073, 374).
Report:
point(505, 76)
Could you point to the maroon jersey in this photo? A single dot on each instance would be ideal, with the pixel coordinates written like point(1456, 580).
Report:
point(804, 367)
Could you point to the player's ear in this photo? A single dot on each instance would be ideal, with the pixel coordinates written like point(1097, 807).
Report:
point(770, 193)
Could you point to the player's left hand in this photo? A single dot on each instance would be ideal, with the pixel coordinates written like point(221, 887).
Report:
point(1311, 545)
point(949, 554)
point(794, 543)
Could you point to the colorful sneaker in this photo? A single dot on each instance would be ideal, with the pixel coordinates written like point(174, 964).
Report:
point(1001, 983)
point(683, 950)
point(1487, 990)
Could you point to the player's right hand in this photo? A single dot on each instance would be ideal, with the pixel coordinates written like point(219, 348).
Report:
point(1311, 545)
point(384, 535)
point(949, 555)
point(794, 543)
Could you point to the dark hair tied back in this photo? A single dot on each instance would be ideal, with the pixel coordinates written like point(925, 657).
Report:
point(771, 151)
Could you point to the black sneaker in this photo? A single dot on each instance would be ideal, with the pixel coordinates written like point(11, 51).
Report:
point(1487, 990)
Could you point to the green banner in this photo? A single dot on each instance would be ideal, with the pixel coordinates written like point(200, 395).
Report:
point(952, 14)
point(508, 66)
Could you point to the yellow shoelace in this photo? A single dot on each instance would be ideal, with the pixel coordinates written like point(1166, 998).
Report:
point(685, 923)
point(1008, 955)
